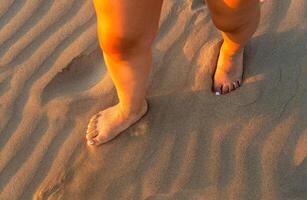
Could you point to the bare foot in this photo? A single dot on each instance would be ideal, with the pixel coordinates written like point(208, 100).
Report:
point(109, 123)
point(228, 72)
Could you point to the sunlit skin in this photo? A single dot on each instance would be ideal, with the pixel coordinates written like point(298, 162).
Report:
point(237, 21)
point(126, 30)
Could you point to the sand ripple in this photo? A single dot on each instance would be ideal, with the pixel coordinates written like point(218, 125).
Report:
point(250, 144)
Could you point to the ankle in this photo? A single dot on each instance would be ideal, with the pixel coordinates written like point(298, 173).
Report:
point(231, 50)
point(133, 109)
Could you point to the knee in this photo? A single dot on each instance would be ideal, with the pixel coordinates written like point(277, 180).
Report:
point(230, 17)
point(124, 44)
point(228, 22)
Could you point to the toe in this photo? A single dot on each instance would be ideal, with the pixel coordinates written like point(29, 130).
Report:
point(239, 82)
point(90, 130)
point(100, 139)
point(92, 134)
point(225, 89)
point(91, 126)
point(236, 84)
point(231, 87)
point(217, 88)
point(92, 123)
point(90, 142)
point(95, 117)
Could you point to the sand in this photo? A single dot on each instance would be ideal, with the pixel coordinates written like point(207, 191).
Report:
point(192, 145)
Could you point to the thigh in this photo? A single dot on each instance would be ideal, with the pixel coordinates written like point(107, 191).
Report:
point(128, 18)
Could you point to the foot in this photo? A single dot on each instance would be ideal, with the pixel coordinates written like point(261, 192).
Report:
point(109, 123)
point(229, 71)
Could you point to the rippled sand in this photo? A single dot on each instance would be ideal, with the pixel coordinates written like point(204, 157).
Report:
point(192, 145)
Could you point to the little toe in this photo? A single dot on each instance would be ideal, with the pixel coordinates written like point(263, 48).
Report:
point(95, 117)
point(240, 82)
point(236, 84)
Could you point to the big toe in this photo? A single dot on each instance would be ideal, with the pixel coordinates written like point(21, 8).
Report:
point(217, 88)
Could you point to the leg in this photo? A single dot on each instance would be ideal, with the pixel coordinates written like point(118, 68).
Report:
point(237, 20)
point(126, 30)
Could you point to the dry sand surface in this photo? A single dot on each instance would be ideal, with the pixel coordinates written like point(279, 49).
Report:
point(192, 145)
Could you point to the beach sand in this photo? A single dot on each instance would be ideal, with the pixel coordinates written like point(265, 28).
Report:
point(250, 144)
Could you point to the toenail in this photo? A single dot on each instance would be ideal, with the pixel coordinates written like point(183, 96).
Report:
point(91, 142)
point(217, 93)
